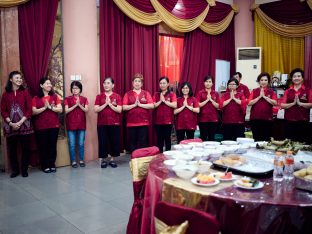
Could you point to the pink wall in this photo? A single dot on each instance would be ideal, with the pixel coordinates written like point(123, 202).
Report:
point(244, 26)
point(81, 57)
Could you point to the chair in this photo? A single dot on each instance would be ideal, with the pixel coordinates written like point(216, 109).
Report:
point(191, 140)
point(139, 163)
point(199, 221)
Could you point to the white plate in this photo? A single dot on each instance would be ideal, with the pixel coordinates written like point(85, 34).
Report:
point(194, 181)
point(234, 177)
point(229, 143)
point(259, 186)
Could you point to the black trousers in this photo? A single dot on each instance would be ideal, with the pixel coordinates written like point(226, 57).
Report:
point(182, 132)
point(12, 143)
point(208, 130)
point(232, 131)
point(46, 141)
point(138, 137)
point(163, 132)
point(109, 140)
point(298, 131)
point(261, 129)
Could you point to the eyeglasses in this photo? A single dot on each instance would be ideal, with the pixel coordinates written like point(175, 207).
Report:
point(232, 84)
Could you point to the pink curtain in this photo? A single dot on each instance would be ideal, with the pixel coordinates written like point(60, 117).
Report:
point(36, 28)
point(200, 53)
point(308, 61)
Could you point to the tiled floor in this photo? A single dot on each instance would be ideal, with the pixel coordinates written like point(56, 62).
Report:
point(82, 200)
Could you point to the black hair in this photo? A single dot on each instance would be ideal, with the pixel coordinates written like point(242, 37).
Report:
point(264, 74)
point(189, 86)
point(296, 70)
point(238, 73)
point(41, 82)
point(208, 77)
point(231, 80)
point(109, 78)
point(75, 83)
point(167, 79)
point(9, 87)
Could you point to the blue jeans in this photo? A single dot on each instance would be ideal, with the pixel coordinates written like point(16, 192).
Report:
point(72, 136)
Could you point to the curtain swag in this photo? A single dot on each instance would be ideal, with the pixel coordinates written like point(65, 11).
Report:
point(177, 24)
point(11, 3)
point(282, 29)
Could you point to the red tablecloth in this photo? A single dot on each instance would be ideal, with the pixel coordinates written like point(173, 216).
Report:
point(276, 208)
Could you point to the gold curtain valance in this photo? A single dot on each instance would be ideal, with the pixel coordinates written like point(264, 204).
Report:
point(283, 29)
point(11, 3)
point(177, 24)
point(137, 15)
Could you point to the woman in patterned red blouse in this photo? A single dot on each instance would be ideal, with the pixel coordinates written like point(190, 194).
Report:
point(233, 105)
point(46, 107)
point(137, 103)
point(165, 102)
point(16, 113)
point(108, 105)
point(208, 118)
point(76, 107)
point(186, 113)
point(262, 100)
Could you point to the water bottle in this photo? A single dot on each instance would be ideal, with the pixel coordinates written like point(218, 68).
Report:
point(289, 166)
point(278, 167)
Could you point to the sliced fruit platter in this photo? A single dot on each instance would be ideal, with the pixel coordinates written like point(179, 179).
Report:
point(224, 176)
point(205, 180)
point(285, 145)
point(248, 183)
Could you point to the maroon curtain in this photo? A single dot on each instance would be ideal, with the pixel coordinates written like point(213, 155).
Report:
point(290, 12)
point(308, 61)
point(142, 5)
point(36, 27)
point(201, 51)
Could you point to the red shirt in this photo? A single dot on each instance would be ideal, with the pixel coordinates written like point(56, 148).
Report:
point(243, 89)
point(163, 113)
point(48, 118)
point(297, 113)
point(186, 119)
point(22, 98)
point(262, 109)
point(208, 113)
point(76, 119)
point(233, 112)
point(108, 116)
point(137, 116)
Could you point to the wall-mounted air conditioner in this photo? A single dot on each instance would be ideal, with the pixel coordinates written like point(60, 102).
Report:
point(248, 62)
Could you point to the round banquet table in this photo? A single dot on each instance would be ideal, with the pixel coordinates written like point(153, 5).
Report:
point(276, 208)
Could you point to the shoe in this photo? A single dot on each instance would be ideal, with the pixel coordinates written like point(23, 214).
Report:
point(14, 174)
point(103, 164)
point(47, 170)
point(74, 165)
point(25, 174)
point(82, 164)
point(53, 169)
point(113, 164)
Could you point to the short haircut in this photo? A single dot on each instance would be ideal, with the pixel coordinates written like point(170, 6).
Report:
point(264, 74)
point(109, 78)
point(233, 80)
point(189, 86)
point(208, 77)
point(238, 73)
point(138, 75)
point(75, 83)
point(296, 70)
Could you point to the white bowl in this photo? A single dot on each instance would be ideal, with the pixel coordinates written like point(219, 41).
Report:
point(173, 162)
point(185, 157)
point(210, 146)
point(216, 153)
point(231, 149)
point(243, 140)
point(187, 147)
point(203, 166)
point(197, 155)
point(196, 144)
point(185, 171)
point(211, 143)
point(177, 147)
point(229, 143)
point(171, 154)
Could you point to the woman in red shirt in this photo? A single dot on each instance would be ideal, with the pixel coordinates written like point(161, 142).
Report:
point(297, 102)
point(186, 113)
point(262, 100)
point(233, 105)
point(208, 118)
point(137, 103)
point(16, 114)
point(46, 107)
point(165, 102)
point(108, 105)
point(76, 107)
